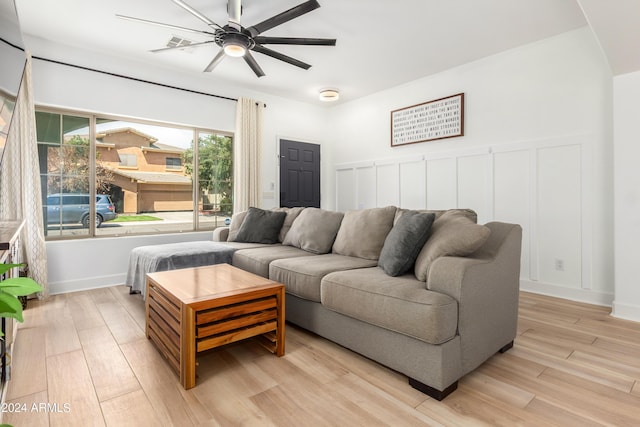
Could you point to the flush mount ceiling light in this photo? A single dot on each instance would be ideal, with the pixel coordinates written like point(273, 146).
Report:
point(329, 95)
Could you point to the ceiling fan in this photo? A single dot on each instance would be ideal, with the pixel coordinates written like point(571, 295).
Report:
point(238, 41)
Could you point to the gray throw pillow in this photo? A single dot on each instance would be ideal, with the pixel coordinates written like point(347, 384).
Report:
point(404, 242)
point(452, 234)
point(260, 226)
point(292, 214)
point(236, 222)
point(314, 230)
point(363, 231)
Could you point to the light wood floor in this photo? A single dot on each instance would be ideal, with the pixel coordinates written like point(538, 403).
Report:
point(86, 356)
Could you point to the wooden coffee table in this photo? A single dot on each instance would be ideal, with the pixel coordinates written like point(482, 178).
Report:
point(196, 309)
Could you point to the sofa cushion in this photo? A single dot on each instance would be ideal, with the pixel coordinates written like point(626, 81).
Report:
point(236, 221)
point(362, 232)
point(243, 245)
point(401, 304)
point(404, 242)
point(302, 276)
point(261, 226)
point(257, 260)
point(452, 234)
point(314, 230)
point(292, 214)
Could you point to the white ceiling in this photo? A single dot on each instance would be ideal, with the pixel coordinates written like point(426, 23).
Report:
point(380, 43)
point(617, 26)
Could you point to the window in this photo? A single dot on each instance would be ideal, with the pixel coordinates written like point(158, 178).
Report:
point(64, 170)
point(7, 104)
point(173, 163)
point(142, 173)
point(128, 160)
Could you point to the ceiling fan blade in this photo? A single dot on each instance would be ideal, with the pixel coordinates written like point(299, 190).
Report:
point(280, 56)
point(235, 11)
point(295, 40)
point(250, 60)
point(283, 17)
point(195, 13)
point(162, 24)
point(217, 60)
point(163, 49)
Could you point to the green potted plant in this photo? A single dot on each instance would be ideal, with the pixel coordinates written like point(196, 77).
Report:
point(11, 289)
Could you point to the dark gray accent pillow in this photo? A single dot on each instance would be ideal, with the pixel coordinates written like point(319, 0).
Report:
point(404, 242)
point(260, 226)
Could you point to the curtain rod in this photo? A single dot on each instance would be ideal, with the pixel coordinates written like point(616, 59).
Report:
point(122, 76)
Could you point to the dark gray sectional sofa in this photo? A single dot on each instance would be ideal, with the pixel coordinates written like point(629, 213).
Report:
point(454, 308)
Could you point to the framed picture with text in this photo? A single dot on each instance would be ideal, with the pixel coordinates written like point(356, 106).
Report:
point(437, 119)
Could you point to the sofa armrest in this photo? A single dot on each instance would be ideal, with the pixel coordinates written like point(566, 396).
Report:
point(221, 234)
point(486, 286)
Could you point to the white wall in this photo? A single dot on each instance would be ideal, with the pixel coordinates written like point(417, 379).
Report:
point(80, 264)
point(627, 196)
point(536, 151)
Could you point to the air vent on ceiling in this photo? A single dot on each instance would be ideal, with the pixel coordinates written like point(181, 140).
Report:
point(177, 41)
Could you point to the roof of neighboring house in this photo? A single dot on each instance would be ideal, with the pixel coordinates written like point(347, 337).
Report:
point(154, 177)
point(127, 129)
point(164, 148)
point(105, 144)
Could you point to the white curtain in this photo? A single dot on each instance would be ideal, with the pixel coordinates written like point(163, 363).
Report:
point(20, 181)
point(247, 153)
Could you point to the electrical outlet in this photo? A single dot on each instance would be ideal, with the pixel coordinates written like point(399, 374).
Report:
point(559, 265)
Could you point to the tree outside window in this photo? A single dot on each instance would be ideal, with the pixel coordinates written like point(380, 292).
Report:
point(215, 173)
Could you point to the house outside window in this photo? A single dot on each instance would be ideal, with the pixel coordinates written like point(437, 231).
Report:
point(145, 169)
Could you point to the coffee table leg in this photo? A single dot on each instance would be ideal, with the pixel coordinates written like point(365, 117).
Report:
point(280, 328)
point(146, 307)
point(188, 348)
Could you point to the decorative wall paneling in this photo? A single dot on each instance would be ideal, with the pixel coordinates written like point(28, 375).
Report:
point(544, 185)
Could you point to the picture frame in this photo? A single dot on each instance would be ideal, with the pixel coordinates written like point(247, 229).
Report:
point(432, 120)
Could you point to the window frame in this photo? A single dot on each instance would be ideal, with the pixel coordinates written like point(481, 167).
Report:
point(93, 117)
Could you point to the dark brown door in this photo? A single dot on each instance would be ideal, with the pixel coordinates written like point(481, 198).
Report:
point(299, 174)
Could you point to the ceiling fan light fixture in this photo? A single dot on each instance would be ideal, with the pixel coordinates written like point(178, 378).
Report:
point(329, 95)
point(234, 49)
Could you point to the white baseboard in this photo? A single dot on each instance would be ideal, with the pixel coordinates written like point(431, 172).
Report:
point(580, 295)
point(86, 283)
point(626, 311)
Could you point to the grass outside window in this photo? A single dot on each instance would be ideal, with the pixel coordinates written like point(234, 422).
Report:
point(135, 218)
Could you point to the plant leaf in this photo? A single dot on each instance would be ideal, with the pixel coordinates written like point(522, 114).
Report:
point(10, 306)
point(6, 267)
point(19, 286)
